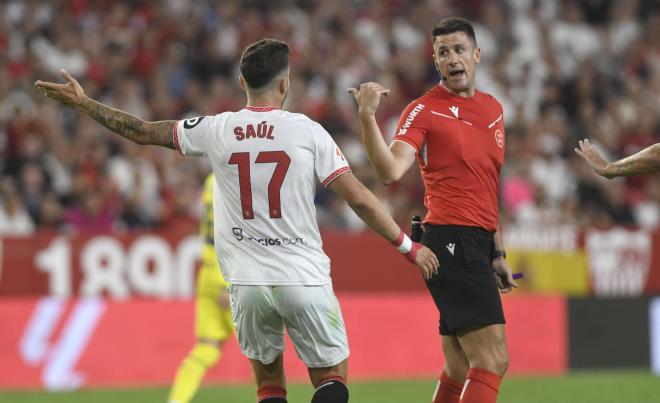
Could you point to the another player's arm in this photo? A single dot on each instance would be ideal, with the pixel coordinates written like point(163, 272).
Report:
point(389, 163)
point(643, 162)
point(371, 211)
point(120, 122)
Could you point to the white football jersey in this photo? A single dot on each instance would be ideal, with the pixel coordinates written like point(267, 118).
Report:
point(266, 163)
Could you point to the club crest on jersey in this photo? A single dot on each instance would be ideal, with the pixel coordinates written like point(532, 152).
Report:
point(340, 154)
point(411, 116)
point(263, 131)
point(499, 138)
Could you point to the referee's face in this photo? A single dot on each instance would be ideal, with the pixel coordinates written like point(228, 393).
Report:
point(456, 58)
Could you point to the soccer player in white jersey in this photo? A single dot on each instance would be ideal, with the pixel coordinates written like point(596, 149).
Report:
point(267, 162)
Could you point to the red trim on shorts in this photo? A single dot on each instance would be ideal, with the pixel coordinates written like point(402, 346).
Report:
point(175, 137)
point(261, 108)
point(335, 175)
point(269, 391)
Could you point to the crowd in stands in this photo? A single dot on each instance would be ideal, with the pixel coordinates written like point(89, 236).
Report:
point(563, 70)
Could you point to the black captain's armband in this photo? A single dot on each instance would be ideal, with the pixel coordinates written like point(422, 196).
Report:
point(192, 122)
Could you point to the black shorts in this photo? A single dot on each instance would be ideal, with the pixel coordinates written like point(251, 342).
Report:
point(464, 290)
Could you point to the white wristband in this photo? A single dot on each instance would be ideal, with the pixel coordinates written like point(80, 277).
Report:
point(406, 244)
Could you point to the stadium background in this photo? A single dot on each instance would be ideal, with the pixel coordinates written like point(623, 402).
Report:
point(98, 234)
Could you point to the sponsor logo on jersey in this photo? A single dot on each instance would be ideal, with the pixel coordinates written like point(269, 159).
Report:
point(454, 110)
point(411, 116)
point(240, 235)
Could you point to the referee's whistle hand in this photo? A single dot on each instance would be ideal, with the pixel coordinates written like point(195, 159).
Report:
point(427, 262)
point(503, 275)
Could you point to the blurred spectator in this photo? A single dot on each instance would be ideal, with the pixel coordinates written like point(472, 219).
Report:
point(14, 220)
point(563, 69)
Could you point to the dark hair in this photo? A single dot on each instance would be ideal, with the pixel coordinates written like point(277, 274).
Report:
point(454, 24)
point(262, 61)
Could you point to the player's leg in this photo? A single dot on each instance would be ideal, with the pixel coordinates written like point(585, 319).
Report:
point(204, 355)
point(271, 383)
point(486, 351)
point(450, 384)
point(316, 327)
point(260, 333)
point(330, 383)
point(213, 326)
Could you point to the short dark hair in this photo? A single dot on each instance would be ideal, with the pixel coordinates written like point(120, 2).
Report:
point(454, 24)
point(262, 61)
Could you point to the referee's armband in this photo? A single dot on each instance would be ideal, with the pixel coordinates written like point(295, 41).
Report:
point(406, 246)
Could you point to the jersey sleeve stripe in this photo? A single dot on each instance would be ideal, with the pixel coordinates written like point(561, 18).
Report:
point(335, 175)
point(175, 137)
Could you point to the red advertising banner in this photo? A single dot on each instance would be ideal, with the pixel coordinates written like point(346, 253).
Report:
point(70, 343)
point(617, 262)
point(163, 265)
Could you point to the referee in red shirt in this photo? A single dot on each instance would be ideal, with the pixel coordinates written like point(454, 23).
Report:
point(456, 133)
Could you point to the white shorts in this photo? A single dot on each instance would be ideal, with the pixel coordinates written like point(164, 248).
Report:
point(311, 315)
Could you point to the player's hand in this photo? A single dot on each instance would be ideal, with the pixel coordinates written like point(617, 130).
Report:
point(70, 93)
point(503, 275)
point(368, 97)
point(593, 158)
point(223, 299)
point(425, 260)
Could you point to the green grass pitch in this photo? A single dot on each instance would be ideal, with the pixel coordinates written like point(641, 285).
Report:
point(577, 387)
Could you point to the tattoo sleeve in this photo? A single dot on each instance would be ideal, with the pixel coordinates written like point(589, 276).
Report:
point(129, 126)
point(645, 161)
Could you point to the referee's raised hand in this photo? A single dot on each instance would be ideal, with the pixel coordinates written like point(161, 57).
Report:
point(368, 97)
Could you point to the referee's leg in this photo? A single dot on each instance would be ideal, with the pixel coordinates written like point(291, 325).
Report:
point(485, 349)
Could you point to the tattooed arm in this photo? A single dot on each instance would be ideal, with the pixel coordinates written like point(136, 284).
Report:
point(120, 122)
point(645, 161)
point(127, 125)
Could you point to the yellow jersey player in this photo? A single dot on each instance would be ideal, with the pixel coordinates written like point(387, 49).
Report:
point(213, 321)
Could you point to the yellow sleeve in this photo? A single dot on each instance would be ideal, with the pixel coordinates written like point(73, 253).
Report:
point(209, 258)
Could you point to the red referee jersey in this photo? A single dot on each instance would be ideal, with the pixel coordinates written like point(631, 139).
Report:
point(460, 148)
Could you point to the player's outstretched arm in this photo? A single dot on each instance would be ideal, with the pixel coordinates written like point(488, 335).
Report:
point(645, 161)
point(389, 163)
point(371, 211)
point(120, 122)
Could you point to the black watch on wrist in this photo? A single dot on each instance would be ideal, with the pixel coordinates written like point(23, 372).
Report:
point(499, 253)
